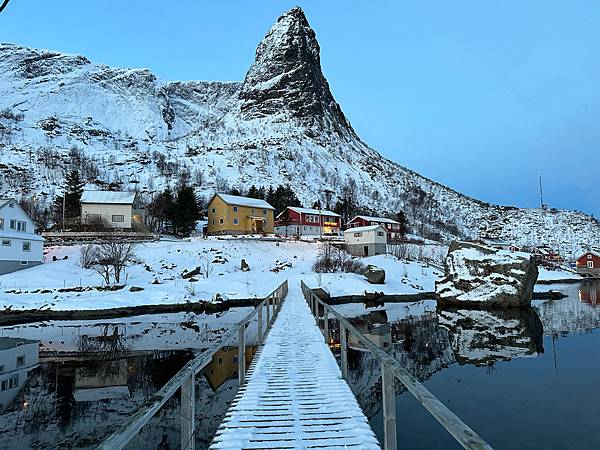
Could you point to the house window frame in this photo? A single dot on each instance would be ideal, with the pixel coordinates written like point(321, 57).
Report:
point(359, 234)
point(236, 221)
point(22, 226)
point(6, 243)
point(114, 218)
point(13, 224)
point(26, 244)
point(235, 209)
point(1, 223)
point(20, 361)
point(590, 264)
point(221, 221)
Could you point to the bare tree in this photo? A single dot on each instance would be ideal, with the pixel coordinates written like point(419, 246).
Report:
point(111, 257)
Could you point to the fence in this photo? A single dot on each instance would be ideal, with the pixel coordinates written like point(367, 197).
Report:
point(390, 370)
point(184, 380)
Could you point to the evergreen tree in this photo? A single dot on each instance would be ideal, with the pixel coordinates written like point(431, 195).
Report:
point(401, 217)
point(235, 191)
point(255, 192)
point(317, 205)
point(281, 198)
point(160, 211)
point(347, 208)
point(73, 190)
point(185, 212)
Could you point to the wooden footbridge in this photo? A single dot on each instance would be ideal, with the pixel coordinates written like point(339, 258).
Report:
point(293, 395)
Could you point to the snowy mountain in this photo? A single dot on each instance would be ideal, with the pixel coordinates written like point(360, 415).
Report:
point(281, 125)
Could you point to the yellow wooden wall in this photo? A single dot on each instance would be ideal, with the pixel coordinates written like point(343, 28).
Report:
point(226, 212)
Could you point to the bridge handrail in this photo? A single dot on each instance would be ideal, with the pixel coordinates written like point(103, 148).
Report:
point(461, 432)
point(120, 438)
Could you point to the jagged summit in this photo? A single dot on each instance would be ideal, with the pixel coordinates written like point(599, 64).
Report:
point(286, 77)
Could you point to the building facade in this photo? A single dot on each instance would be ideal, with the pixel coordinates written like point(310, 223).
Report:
point(114, 209)
point(20, 247)
point(588, 264)
point(17, 358)
point(391, 226)
point(366, 241)
point(308, 222)
point(233, 214)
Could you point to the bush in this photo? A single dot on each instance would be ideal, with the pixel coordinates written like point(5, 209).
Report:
point(333, 259)
point(88, 256)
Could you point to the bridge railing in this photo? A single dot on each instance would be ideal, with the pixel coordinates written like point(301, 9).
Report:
point(184, 380)
point(390, 370)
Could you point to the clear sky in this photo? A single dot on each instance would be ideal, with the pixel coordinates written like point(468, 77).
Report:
point(478, 95)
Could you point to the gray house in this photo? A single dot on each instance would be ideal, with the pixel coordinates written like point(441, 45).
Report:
point(366, 241)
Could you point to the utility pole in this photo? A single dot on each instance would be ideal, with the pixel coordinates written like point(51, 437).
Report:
point(541, 193)
point(63, 213)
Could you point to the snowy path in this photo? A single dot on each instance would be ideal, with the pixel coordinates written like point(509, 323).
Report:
point(295, 396)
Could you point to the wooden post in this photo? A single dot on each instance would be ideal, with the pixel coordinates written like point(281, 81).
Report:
point(188, 413)
point(326, 324)
point(268, 314)
point(344, 350)
point(260, 323)
point(389, 407)
point(242, 355)
point(273, 303)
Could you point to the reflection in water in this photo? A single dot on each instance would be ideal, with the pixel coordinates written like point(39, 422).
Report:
point(589, 292)
point(17, 358)
point(224, 365)
point(482, 337)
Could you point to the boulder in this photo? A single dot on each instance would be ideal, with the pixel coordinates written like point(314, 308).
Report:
point(374, 274)
point(192, 273)
point(244, 267)
point(480, 276)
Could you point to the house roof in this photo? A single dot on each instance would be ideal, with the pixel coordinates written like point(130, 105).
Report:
point(7, 342)
point(361, 229)
point(376, 219)
point(11, 234)
point(591, 252)
point(244, 201)
point(116, 197)
point(322, 212)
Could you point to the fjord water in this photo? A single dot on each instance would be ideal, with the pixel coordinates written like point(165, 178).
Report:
point(520, 380)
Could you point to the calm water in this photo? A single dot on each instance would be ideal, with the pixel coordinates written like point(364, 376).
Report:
point(524, 380)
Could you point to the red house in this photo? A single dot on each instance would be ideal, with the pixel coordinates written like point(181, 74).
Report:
point(588, 264)
point(309, 222)
point(391, 226)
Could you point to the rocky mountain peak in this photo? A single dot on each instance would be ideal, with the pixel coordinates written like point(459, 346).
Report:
point(286, 77)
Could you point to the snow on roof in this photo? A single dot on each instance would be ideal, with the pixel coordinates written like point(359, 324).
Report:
point(592, 252)
point(322, 212)
point(11, 234)
point(376, 219)
point(4, 201)
point(361, 229)
point(244, 201)
point(117, 197)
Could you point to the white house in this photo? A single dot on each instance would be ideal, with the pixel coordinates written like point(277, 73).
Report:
point(118, 209)
point(366, 241)
point(17, 358)
point(20, 247)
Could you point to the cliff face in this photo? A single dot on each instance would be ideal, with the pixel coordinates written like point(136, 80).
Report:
point(281, 125)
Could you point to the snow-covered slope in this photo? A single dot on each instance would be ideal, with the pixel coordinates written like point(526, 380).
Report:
point(281, 125)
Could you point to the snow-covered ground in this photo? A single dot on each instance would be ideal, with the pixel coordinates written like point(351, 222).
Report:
point(270, 264)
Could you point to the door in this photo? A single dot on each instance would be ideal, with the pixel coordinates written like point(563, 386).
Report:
point(366, 250)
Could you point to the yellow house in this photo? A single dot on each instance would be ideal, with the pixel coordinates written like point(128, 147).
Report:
point(232, 214)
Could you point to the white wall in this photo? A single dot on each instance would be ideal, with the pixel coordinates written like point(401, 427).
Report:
point(107, 211)
point(367, 237)
point(14, 251)
point(8, 359)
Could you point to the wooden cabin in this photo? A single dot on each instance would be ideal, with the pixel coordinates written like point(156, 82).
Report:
point(588, 264)
point(233, 214)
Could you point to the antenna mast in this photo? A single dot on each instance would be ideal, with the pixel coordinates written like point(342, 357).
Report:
point(541, 193)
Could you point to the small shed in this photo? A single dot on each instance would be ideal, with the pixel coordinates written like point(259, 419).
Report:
point(366, 241)
point(588, 264)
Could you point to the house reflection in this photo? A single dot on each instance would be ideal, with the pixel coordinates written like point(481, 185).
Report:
point(589, 292)
point(375, 327)
point(224, 365)
point(17, 358)
point(99, 381)
point(482, 337)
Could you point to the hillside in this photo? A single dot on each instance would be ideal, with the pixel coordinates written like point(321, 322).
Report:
point(126, 128)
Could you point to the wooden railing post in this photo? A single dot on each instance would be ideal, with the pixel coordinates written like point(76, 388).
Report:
point(389, 407)
point(188, 413)
point(344, 350)
point(268, 325)
point(260, 323)
point(242, 355)
point(326, 324)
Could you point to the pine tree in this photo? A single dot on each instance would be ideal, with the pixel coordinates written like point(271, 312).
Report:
point(73, 190)
point(160, 211)
point(235, 191)
point(401, 217)
point(285, 220)
point(317, 204)
point(185, 212)
point(255, 192)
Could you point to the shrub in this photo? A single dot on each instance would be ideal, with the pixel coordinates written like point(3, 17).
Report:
point(333, 259)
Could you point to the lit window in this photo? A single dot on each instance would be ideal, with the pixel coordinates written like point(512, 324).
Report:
point(26, 246)
point(1, 223)
point(357, 234)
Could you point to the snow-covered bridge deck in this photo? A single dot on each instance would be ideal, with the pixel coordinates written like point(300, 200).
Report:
point(295, 396)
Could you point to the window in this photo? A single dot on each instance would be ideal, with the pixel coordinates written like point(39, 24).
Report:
point(264, 212)
point(92, 216)
point(590, 264)
point(213, 210)
point(220, 360)
point(21, 226)
point(118, 218)
point(5, 243)
point(357, 234)
point(236, 221)
point(235, 359)
point(589, 256)
point(235, 208)
point(1, 223)
point(220, 220)
point(20, 361)
point(1, 369)
point(213, 222)
point(26, 246)
point(24, 263)
point(253, 210)
point(13, 224)
point(380, 233)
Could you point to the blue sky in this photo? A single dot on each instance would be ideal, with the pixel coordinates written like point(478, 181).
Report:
point(478, 95)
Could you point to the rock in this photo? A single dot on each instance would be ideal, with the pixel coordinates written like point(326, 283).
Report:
point(135, 289)
point(192, 273)
point(218, 298)
point(192, 280)
point(156, 281)
point(481, 276)
point(374, 274)
point(244, 267)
